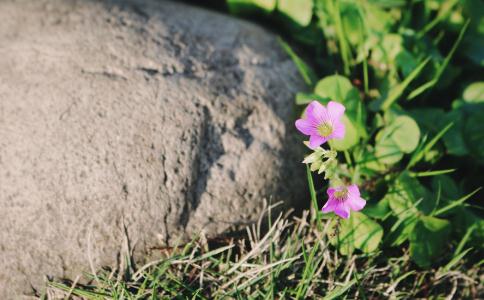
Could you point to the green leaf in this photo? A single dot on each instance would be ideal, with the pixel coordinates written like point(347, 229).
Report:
point(472, 48)
point(358, 231)
point(343, 237)
point(388, 48)
point(378, 19)
point(455, 260)
point(432, 173)
point(463, 220)
point(398, 90)
point(386, 150)
point(422, 151)
point(401, 230)
point(428, 240)
point(443, 13)
point(441, 68)
point(306, 98)
point(379, 210)
point(368, 233)
point(334, 87)
point(299, 11)
point(429, 119)
point(401, 136)
point(474, 135)
point(248, 6)
point(406, 62)
point(474, 93)
point(353, 25)
point(350, 139)
point(404, 196)
point(405, 133)
point(447, 186)
point(368, 161)
point(456, 203)
point(454, 138)
point(339, 290)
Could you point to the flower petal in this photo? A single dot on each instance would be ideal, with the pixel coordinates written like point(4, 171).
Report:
point(330, 205)
point(342, 210)
point(335, 110)
point(309, 108)
point(339, 130)
point(316, 141)
point(355, 203)
point(306, 127)
point(317, 112)
point(354, 191)
point(330, 192)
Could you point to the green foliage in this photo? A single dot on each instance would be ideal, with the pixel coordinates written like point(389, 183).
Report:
point(395, 51)
point(299, 11)
point(399, 137)
point(357, 232)
point(421, 159)
point(474, 93)
point(428, 239)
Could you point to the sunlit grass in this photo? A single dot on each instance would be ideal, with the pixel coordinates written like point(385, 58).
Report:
point(286, 257)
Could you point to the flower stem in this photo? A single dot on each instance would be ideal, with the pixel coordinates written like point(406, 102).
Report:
point(314, 199)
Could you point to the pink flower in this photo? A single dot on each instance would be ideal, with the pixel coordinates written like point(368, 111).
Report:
point(322, 123)
point(342, 199)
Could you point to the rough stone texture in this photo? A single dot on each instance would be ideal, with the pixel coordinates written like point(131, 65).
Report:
point(142, 121)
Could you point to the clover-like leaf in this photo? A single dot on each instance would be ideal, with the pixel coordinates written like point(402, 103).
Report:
point(405, 132)
point(408, 196)
point(299, 11)
point(357, 232)
point(368, 232)
point(386, 150)
point(474, 93)
point(428, 240)
point(474, 135)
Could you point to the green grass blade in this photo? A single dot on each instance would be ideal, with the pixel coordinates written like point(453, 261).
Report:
point(444, 13)
point(397, 91)
point(442, 67)
point(431, 173)
point(339, 291)
point(308, 75)
point(464, 239)
point(418, 155)
point(456, 203)
point(455, 260)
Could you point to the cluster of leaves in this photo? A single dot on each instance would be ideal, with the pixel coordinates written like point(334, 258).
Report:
point(414, 113)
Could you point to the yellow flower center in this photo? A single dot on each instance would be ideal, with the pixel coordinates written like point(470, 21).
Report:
point(325, 129)
point(341, 195)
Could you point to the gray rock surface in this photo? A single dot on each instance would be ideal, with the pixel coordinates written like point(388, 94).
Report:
point(141, 122)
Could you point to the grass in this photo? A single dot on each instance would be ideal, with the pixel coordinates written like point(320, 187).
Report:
point(287, 257)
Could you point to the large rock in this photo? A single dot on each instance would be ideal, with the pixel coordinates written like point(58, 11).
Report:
point(145, 120)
